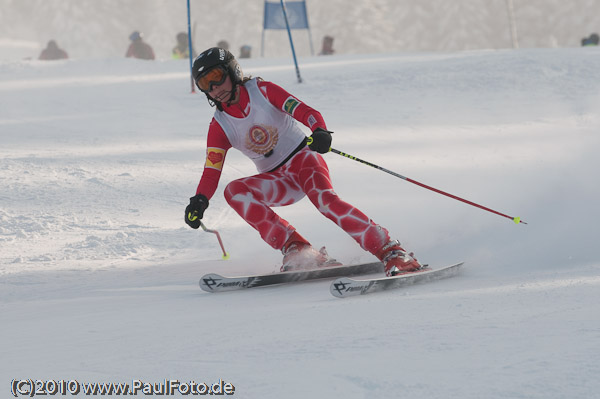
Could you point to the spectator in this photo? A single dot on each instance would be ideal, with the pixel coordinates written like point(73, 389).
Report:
point(182, 49)
point(245, 51)
point(223, 44)
point(327, 48)
point(590, 41)
point(53, 52)
point(138, 48)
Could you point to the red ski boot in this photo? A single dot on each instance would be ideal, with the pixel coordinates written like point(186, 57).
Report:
point(396, 260)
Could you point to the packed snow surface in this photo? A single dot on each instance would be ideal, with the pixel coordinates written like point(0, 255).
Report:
point(99, 274)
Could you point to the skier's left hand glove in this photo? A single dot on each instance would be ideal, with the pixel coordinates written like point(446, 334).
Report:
point(321, 141)
point(195, 210)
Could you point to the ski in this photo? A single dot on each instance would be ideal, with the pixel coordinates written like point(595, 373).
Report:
point(216, 283)
point(345, 287)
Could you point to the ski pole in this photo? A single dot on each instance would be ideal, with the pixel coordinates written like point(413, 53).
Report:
point(215, 232)
point(517, 220)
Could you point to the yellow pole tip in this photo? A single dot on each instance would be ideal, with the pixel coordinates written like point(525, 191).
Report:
point(226, 257)
point(517, 220)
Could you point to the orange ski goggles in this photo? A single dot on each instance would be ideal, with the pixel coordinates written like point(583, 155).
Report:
point(214, 77)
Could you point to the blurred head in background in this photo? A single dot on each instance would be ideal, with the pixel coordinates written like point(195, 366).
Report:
point(592, 40)
point(138, 48)
point(53, 52)
point(327, 48)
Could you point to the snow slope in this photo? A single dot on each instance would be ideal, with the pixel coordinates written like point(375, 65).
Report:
point(98, 272)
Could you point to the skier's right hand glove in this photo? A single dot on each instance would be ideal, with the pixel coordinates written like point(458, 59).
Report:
point(195, 210)
point(321, 141)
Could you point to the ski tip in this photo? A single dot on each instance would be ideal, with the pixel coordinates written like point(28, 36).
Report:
point(207, 281)
point(339, 287)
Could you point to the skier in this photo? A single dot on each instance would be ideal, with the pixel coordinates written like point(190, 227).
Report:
point(259, 119)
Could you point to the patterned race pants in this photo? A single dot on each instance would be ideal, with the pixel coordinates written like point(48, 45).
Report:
point(306, 173)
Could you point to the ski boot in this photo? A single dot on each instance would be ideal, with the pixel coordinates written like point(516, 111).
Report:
point(396, 260)
point(300, 255)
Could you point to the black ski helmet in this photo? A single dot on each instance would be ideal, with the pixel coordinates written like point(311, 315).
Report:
point(214, 57)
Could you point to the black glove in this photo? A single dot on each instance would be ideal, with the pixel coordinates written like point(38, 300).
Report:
point(321, 141)
point(195, 210)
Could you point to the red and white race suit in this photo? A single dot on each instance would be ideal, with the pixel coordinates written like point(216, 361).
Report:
point(262, 126)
